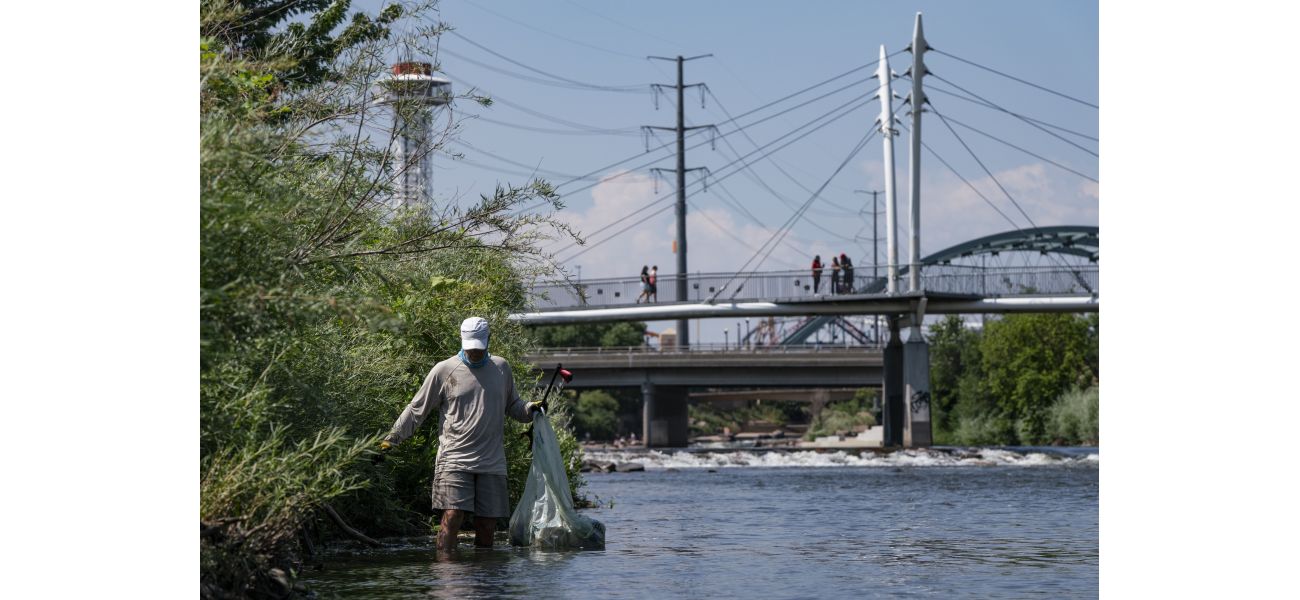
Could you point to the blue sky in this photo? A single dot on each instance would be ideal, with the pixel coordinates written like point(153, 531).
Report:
point(761, 52)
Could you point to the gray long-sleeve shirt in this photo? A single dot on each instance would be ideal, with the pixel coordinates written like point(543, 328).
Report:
point(471, 404)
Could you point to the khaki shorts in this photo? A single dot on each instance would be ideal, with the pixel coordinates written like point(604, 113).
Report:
point(481, 493)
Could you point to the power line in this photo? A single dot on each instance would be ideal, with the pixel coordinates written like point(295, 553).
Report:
point(736, 202)
point(733, 236)
point(580, 126)
point(553, 34)
point(624, 25)
point(724, 177)
point(723, 135)
point(717, 179)
point(538, 80)
point(512, 61)
point(747, 113)
point(1014, 78)
point(788, 203)
point(788, 134)
point(535, 168)
point(774, 163)
point(546, 130)
point(740, 128)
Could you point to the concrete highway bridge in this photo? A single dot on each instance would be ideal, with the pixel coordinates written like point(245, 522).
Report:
point(665, 378)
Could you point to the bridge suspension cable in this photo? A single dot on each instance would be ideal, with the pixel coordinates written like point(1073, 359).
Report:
point(1001, 187)
point(780, 234)
point(1014, 78)
point(1038, 156)
point(983, 166)
point(1031, 123)
point(934, 88)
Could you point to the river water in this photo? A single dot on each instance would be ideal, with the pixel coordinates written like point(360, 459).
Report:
point(992, 523)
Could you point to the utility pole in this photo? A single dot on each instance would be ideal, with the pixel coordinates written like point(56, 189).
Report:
point(683, 331)
point(875, 247)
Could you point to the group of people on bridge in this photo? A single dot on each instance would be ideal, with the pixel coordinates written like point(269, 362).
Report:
point(841, 274)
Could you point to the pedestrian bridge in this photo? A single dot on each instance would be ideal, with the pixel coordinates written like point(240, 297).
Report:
point(954, 280)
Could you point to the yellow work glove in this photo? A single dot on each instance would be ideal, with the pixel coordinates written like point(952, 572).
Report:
point(384, 447)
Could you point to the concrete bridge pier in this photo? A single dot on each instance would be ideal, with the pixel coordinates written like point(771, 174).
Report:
point(665, 419)
point(916, 361)
point(893, 389)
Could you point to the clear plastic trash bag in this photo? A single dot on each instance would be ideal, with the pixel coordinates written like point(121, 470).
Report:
point(545, 516)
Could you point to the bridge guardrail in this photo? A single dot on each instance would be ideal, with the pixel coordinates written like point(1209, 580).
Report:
point(798, 285)
point(707, 349)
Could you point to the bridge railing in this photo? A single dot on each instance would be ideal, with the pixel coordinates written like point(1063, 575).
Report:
point(695, 348)
point(799, 285)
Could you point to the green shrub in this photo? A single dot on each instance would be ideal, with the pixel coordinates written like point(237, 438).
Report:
point(1074, 418)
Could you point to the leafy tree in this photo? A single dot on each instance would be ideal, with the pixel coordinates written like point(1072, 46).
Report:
point(300, 34)
point(1032, 359)
point(954, 355)
point(596, 414)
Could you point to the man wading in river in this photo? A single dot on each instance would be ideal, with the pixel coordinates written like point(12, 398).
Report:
point(472, 392)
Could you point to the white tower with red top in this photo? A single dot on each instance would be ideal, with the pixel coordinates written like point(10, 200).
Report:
point(414, 93)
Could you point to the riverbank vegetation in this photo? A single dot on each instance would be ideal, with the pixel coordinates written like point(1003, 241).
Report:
point(1022, 380)
point(854, 414)
point(321, 307)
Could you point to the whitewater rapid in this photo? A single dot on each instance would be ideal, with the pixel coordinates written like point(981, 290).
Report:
point(974, 457)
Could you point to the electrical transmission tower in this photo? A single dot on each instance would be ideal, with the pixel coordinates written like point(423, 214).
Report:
point(683, 333)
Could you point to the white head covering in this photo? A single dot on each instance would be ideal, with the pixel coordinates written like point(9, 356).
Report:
point(474, 333)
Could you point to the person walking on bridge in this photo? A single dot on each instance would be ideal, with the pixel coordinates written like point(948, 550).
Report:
point(817, 272)
point(645, 284)
point(654, 284)
point(472, 393)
